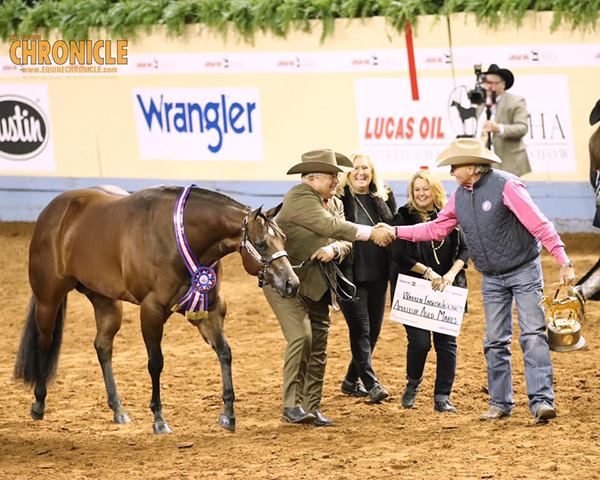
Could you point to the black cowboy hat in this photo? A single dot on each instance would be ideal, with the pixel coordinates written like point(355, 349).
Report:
point(595, 115)
point(504, 73)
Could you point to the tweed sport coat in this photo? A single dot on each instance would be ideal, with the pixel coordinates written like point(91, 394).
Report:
point(511, 112)
point(309, 225)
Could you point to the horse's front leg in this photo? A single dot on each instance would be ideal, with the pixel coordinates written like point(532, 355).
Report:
point(153, 318)
point(212, 331)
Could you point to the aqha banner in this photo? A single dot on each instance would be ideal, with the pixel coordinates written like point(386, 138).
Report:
point(404, 135)
point(204, 124)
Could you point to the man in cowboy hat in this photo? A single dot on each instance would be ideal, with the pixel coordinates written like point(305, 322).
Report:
point(312, 219)
point(505, 232)
point(509, 123)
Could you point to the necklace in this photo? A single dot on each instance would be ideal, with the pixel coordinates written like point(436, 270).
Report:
point(434, 249)
point(364, 209)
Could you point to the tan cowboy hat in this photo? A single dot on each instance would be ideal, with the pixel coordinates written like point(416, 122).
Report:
point(324, 160)
point(467, 151)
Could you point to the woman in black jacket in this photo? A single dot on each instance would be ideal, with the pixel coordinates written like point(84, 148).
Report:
point(443, 264)
point(367, 202)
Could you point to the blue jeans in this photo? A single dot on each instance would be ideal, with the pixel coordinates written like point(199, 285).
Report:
point(525, 285)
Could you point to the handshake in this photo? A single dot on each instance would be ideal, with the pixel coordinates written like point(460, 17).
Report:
point(383, 234)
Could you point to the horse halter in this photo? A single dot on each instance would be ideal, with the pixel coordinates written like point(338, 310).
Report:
point(255, 254)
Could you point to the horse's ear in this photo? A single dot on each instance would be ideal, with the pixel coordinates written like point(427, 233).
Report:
point(255, 213)
point(270, 214)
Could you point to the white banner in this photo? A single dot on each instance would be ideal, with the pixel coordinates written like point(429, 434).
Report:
point(206, 124)
point(405, 135)
point(25, 129)
point(339, 61)
point(417, 305)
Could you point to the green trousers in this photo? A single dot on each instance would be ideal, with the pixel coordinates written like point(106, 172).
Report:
point(305, 326)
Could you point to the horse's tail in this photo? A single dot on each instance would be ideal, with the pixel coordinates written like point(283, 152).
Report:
point(27, 365)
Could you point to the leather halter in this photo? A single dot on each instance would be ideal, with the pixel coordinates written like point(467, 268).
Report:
point(255, 254)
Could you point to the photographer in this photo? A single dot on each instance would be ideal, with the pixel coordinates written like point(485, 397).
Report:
point(507, 121)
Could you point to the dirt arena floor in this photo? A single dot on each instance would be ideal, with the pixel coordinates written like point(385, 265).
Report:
point(77, 439)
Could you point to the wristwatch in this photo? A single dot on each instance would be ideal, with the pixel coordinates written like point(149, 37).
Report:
point(568, 264)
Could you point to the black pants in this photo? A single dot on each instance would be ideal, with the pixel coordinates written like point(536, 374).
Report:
point(364, 318)
point(419, 344)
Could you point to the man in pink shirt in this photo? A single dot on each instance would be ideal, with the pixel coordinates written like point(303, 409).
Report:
point(505, 232)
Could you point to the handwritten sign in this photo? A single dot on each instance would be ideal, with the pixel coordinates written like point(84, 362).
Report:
point(417, 305)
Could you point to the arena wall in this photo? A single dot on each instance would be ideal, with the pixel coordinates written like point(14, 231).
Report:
point(232, 116)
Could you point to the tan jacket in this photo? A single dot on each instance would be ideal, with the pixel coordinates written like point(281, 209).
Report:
point(512, 113)
point(309, 226)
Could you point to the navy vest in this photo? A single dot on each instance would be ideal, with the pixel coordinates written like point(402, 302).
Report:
point(497, 241)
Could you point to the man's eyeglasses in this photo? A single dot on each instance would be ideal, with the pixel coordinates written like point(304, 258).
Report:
point(332, 176)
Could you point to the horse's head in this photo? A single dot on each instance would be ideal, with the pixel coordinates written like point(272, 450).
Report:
point(263, 252)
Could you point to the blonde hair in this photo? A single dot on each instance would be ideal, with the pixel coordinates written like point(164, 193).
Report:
point(436, 188)
point(379, 189)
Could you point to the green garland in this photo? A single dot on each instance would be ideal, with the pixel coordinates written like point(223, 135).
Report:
point(74, 19)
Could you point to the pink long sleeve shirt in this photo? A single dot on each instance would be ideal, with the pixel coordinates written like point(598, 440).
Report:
point(516, 198)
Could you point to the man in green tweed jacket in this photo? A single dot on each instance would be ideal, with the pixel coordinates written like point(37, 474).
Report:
point(312, 218)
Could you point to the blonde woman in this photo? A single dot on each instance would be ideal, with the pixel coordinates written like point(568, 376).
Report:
point(441, 262)
point(367, 202)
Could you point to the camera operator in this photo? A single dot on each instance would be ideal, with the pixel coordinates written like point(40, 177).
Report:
point(508, 123)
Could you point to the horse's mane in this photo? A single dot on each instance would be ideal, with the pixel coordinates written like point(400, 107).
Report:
point(205, 194)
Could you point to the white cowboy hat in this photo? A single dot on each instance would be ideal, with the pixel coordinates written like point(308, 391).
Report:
point(467, 151)
point(324, 160)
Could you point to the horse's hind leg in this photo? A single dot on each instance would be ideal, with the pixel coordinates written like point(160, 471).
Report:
point(212, 331)
point(109, 315)
point(49, 320)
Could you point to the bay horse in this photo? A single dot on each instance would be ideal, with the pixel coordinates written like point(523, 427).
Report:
point(114, 247)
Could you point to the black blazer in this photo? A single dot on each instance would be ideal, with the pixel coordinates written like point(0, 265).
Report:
point(385, 211)
point(406, 254)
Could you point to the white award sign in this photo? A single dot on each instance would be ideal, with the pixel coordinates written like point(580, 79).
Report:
point(417, 305)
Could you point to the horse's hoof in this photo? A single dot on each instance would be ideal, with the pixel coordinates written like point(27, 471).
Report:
point(35, 414)
point(123, 418)
point(228, 423)
point(161, 427)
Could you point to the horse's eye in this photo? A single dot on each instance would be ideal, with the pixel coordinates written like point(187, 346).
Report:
point(262, 244)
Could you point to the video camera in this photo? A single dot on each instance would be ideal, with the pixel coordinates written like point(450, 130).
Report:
point(478, 95)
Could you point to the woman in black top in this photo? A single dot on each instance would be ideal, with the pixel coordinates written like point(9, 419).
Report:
point(440, 262)
point(367, 202)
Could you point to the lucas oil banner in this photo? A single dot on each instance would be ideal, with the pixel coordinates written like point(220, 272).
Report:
point(405, 136)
